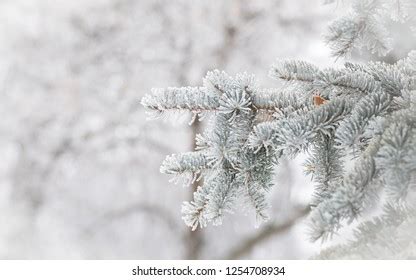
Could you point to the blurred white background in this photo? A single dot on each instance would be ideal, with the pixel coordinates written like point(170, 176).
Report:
point(79, 168)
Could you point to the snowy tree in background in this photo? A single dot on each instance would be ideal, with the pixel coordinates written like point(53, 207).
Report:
point(361, 113)
point(79, 176)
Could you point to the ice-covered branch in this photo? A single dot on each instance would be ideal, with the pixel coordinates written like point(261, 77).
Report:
point(365, 108)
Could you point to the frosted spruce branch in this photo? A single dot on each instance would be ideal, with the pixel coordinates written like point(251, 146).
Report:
point(389, 236)
point(360, 28)
point(361, 110)
point(364, 26)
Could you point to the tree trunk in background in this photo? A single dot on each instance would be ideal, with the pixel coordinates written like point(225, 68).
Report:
point(232, 12)
point(194, 238)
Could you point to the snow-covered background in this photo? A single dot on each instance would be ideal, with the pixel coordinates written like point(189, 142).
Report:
point(79, 168)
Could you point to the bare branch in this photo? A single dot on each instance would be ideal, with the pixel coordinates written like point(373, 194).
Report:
point(267, 232)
